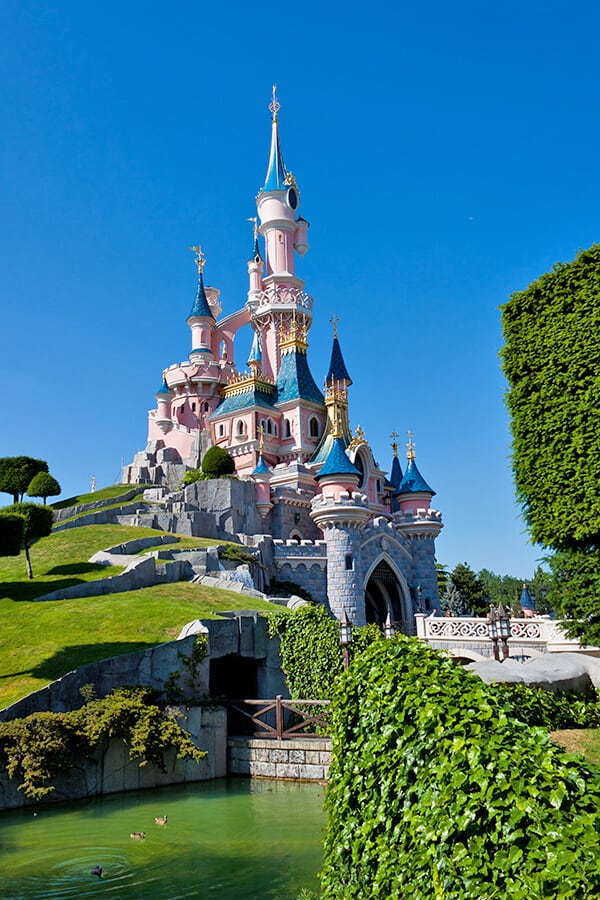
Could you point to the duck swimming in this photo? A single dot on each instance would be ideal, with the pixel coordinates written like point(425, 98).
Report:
point(161, 820)
point(137, 835)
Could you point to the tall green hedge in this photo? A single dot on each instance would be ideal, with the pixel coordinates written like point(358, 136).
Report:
point(435, 792)
point(551, 359)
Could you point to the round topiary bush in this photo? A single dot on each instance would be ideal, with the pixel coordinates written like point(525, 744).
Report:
point(436, 792)
point(217, 462)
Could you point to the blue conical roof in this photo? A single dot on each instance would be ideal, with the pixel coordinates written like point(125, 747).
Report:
point(255, 251)
point(164, 388)
point(526, 600)
point(337, 462)
point(255, 354)
point(201, 307)
point(276, 172)
point(295, 381)
point(413, 482)
point(337, 366)
point(261, 467)
point(396, 473)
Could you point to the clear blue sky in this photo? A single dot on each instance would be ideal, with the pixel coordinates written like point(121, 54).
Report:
point(447, 155)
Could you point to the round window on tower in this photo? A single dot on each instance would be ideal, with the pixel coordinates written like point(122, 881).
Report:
point(292, 198)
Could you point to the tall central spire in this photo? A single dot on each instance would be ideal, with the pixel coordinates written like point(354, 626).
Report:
point(276, 172)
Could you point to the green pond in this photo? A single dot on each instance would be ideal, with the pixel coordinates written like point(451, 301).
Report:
point(232, 838)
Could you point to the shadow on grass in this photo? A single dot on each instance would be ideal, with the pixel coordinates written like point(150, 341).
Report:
point(79, 568)
point(38, 587)
point(68, 658)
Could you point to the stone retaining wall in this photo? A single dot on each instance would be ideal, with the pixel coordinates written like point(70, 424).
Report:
point(300, 759)
point(112, 771)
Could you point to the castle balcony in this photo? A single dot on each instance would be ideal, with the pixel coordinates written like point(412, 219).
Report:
point(467, 637)
point(284, 296)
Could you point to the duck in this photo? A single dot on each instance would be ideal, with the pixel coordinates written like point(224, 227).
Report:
point(97, 870)
point(138, 835)
point(161, 820)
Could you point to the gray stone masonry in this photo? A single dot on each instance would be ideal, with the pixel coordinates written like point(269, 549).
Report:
point(111, 770)
point(303, 563)
point(300, 759)
point(68, 511)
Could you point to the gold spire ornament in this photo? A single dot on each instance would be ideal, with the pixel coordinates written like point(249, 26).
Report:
point(274, 105)
point(199, 257)
point(334, 321)
point(394, 437)
point(358, 439)
point(254, 221)
point(261, 438)
point(410, 446)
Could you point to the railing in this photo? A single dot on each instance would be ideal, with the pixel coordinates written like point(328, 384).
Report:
point(285, 714)
point(545, 632)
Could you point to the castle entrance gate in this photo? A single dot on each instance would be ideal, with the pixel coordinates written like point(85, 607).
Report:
point(384, 596)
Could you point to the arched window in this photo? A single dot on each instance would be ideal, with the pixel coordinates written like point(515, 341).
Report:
point(221, 430)
point(205, 407)
point(287, 428)
point(269, 426)
point(313, 427)
point(240, 428)
point(295, 536)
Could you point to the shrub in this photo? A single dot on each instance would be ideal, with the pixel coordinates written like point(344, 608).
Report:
point(436, 792)
point(11, 534)
point(43, 485)
point(191, 476)
point(39, 747)
point(217, 462)
point(551, 709)
point(37, 524)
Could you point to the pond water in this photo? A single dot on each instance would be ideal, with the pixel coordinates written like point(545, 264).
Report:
point(232, 838)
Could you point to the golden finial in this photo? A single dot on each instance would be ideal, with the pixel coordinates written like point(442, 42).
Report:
point(274, 105)
point(254, 221)
point(394, 437)
point(410, 446)
point(261, 438)
point(334, 321)
point(200, 258)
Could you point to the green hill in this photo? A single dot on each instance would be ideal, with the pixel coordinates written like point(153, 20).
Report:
point(39, 642)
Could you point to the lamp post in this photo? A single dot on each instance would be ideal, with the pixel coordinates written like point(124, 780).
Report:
point(504, 629)
point(493, 630)
point(388, 629)
point(345, 626)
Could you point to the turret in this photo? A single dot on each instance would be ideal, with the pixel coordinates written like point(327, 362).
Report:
point(256, 265)
point(262, 478)
point(274, 298)
point(163, 413)
point(413, 492)
point(201, 319)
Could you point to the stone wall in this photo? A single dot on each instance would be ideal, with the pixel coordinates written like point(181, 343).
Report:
point(303, 563)
point(301, 759)
point(111, 770)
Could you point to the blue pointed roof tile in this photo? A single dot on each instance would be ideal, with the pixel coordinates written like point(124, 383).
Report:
point(337, 366)
point(164, 388)
point(396, 473)
point(413, 482)
point(276, 172)
point(295, 381)
point(526, 600)
point(261, 467)
point(201, 307)
point(337, 462)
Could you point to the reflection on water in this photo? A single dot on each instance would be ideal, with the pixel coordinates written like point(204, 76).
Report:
point(233, 838)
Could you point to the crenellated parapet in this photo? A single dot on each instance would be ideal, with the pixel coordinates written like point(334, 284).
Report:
point(419, 525)
point(344, 510)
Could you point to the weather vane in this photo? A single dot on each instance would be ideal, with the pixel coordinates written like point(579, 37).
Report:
point(274, 105)
point(200, 258)
point(394, 437)
point(334, 321)
point(410, 446)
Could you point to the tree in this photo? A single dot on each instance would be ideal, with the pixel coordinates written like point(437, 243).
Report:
point(11, 535)
point(43, 485)
point(505, 589)
point(37, 524)
point(217, 462)
point(17, 472)
point(550, 359)
point(470, 587)
point(452, 600)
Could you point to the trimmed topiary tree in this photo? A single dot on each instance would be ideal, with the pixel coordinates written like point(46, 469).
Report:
point(11, 534)
point(436, 792)
point(217, 462)
point(43, 485)
point(38, 522)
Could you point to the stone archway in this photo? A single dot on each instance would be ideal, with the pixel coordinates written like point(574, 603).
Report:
point(385, 595)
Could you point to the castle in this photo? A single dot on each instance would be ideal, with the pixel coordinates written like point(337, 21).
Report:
point(358, 541)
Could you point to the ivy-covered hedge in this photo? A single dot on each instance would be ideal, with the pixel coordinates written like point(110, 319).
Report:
point(39, 747)
point(551, 709)
point(436, 792)
point(310, 649)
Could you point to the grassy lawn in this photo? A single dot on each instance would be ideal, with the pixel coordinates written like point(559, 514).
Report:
point(114, 490)
point(585, 741)
point(42, 641)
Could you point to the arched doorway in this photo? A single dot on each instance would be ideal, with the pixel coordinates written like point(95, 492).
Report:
point(384, 596)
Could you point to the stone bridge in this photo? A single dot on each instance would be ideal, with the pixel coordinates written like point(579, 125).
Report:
point(467, 638)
